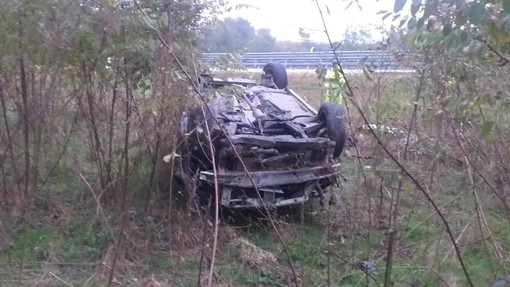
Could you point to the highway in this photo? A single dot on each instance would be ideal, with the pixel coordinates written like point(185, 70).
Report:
point(350, 60)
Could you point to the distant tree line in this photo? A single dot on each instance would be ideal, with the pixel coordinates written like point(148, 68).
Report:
point(237, 34)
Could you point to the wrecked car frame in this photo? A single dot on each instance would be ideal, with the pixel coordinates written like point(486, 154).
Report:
point(271, 148)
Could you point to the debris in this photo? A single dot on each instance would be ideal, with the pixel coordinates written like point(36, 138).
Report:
point(253, 255)
point(271, 148)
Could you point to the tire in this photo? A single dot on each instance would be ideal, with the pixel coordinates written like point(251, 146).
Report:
point(279, 74)
point(333, 115)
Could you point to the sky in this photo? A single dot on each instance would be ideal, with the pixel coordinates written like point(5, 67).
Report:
point(285, 17)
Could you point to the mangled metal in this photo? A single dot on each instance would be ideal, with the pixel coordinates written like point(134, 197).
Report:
point(271, 148)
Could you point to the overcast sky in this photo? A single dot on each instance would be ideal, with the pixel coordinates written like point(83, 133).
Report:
point(285, 17)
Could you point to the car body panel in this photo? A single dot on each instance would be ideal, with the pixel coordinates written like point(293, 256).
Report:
point(268, 145)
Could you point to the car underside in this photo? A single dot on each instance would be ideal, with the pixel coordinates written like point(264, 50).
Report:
point(270, 148)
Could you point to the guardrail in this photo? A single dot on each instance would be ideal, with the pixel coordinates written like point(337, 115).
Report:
point(381, 60)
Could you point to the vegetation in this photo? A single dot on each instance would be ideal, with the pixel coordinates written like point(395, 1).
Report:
point(89, 99)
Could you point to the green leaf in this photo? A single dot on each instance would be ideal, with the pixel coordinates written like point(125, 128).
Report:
point(482, 100)
point(408, 186)
point(420, 23)
point(464, 37)
point(481, 51)
point(163, 20)
point(447, 29)
point(485, 130)
point(430, 9)
point(412, 23)
point(506, 6)
point(503, 23)
point(476, 12)
point(403, 21)
point(432, 39)
point(415, 9)
point(460, 18)
point(388, 14)
point(399, 4)
point(449, 42)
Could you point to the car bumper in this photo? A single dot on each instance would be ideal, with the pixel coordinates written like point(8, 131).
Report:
point(268, 183)
point(271, 178)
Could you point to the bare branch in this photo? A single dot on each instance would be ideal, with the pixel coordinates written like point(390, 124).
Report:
point(392, 157)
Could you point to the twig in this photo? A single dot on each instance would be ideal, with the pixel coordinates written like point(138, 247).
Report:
point(60, 279)
point(456, 242)
point(246, 170)
point(64, 151)
point(407, 173)
point(117, 273)
point(125, 158)
point(482, 221)
point(356, 266)
point(326, 31)
point(89, 279)
point(10, 136)
point(99, 208)
point(328, 238)
point(393, 221)
point(216, 203)
point(117, 247)
point(503, 60)
point(170, 197)
point(202, 252)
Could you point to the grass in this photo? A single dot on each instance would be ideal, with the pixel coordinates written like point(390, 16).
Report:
point(65, 234)
point(420, 259)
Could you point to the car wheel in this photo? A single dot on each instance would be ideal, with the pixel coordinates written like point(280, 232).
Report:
point(333, 115)
point(279, 74)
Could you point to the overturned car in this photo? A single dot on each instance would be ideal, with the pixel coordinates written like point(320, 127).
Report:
point(270, 148)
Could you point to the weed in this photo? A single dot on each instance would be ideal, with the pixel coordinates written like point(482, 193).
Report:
point(32, 246)
point(69, 235)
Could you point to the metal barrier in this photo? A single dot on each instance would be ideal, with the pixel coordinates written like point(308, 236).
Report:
point(307, 60)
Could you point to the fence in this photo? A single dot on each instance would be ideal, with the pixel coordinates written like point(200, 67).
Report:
point(380, 60)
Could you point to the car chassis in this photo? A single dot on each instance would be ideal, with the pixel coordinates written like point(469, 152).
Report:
point(271, 148)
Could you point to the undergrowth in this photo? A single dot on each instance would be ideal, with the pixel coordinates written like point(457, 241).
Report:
point(68, 237)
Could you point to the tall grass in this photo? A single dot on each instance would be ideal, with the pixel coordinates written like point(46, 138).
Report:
point(86, 119)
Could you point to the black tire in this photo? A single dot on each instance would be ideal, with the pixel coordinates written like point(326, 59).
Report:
point(279, 74)
point(333, 115)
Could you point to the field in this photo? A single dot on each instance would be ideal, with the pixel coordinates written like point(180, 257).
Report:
point(383, 224)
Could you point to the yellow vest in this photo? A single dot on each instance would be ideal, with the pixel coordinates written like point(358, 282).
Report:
point(335, 84)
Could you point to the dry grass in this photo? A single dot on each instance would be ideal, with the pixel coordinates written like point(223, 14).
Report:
point(253, 255)
point(159, 254)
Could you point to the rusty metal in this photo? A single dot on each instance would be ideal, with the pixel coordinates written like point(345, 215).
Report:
point(286, 142)
point(276, 135)
point(272, 178)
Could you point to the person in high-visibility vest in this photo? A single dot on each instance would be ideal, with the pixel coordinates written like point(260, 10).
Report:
point(334, 83)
